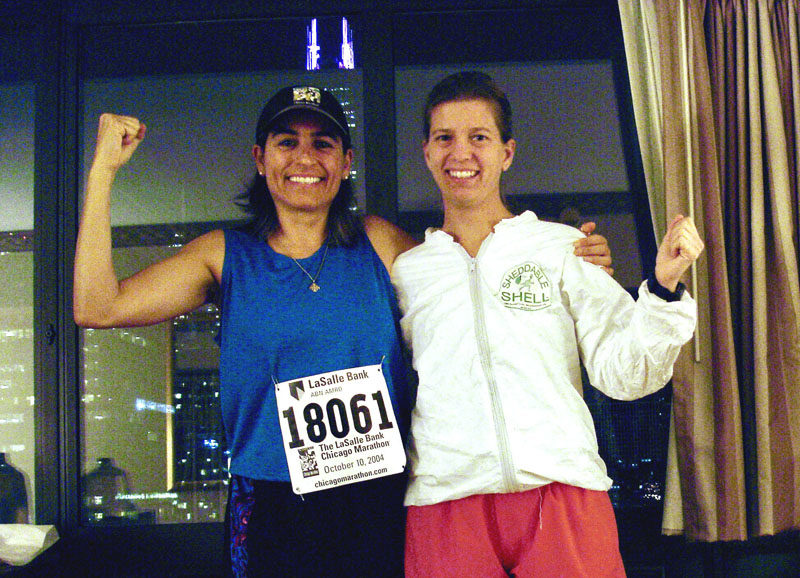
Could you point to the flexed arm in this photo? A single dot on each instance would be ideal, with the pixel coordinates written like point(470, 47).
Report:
point(163, 290)
point(629, 348)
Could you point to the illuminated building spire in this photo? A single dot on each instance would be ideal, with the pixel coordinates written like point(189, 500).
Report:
point(312, 48)
point(348, 56)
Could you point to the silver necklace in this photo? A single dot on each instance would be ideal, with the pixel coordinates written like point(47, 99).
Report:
point(313, 287)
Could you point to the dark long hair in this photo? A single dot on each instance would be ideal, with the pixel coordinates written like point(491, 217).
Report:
point(344, 224)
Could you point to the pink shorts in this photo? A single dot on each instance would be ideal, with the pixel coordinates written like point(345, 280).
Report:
point(555, 530)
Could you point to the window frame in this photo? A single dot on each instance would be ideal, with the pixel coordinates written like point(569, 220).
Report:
point(55, 34)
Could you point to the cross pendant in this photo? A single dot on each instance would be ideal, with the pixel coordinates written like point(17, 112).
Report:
point(314, 287)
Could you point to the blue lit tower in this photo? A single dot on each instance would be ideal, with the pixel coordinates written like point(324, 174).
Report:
point(348, 59)
point(314, 58)
point(312, 48)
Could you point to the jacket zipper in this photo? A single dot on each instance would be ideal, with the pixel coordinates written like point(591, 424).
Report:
point(510, 483)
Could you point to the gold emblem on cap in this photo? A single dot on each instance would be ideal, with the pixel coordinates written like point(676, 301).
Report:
point(307, 94)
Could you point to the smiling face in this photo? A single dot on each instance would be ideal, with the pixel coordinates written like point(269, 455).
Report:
point(304, 163)
point(466, 154)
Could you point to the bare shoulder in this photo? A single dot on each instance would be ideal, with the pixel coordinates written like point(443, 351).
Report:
point(375, 225)
point(208, 248)
point(387, 239)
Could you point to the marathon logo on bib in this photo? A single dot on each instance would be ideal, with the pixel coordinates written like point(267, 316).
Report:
point(526, 287)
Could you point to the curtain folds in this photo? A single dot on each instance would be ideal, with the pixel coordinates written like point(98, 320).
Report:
point(641, 44)
point(728, 82)
point(777, 312)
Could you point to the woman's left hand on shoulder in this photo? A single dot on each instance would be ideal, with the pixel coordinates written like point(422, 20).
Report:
point(593, 248)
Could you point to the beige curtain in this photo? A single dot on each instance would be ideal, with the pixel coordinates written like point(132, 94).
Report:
point(641, 45)
point(728, 111)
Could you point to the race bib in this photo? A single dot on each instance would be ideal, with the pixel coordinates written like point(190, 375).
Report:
point(339, 428)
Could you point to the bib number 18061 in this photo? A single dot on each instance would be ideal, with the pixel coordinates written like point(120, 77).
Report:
point(338, 419)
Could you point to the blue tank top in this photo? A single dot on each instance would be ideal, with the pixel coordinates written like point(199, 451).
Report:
point(273, 329)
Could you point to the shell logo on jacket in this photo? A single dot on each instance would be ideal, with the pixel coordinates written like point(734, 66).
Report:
point(526, 287)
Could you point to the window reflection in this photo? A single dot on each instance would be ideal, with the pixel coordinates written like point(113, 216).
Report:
point(154, 451)
point(13, 494)
point(200, 453)
point(105, 491)
point(17, 448)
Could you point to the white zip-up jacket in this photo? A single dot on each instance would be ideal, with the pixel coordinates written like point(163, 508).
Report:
point(497, 343)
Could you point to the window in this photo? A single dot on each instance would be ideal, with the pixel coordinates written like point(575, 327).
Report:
point(569, 147)
point(17, 446)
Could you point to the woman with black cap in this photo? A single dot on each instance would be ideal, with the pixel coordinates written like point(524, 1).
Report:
point(304, 291)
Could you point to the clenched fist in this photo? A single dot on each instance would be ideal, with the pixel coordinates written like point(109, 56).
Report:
point(680, 248)
point(117, 138)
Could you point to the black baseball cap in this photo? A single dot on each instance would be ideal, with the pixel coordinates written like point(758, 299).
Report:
point(302, 98)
